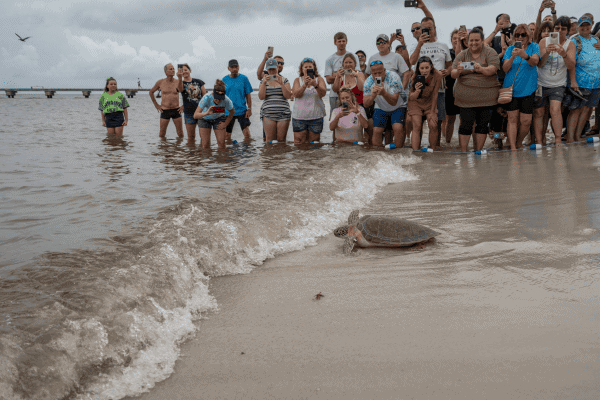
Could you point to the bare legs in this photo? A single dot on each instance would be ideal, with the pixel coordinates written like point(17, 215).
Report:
point(178, 126)
point(450, 121)
point(276, 130)
point(515, 133)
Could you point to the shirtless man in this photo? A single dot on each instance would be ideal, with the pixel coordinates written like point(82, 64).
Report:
point(169, 107)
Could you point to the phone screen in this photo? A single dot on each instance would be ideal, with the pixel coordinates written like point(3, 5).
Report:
point(518, 45)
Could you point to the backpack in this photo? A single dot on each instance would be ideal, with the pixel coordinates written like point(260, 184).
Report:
point(579, 44)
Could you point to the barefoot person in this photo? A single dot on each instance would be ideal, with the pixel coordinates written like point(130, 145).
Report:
point(349, 119)
point(113, 107)
point(422, 102)
point(193, 90)
point(239, 90)
point(169, 107)
point(309, 109)
point(333, 66)
point(211, 115)
point(275, 111)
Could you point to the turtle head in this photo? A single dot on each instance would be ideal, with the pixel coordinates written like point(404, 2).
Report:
point(341, 231)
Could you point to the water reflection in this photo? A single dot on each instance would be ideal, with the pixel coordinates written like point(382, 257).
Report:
point(114, 155)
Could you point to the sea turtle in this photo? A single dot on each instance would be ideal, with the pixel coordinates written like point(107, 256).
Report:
point(381, 231)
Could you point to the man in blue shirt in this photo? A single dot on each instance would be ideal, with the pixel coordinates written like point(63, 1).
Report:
point(238, 89)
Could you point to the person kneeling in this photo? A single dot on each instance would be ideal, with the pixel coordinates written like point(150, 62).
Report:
point(211, 115)
point(426, 81)
point(349, 119)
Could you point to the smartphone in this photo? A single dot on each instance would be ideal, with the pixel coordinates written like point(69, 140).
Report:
point(420, 79)
point(425, 31)
point(345, 106)
point(463, 28)
point(218, 109)
point(378, 80)
point(179, 66)
point(272, 77)
point(518, 45)
point(271, 50)
point(398, 32)
point(311, 72)
point(411, 3)
point(467, 65)
point(554, 38)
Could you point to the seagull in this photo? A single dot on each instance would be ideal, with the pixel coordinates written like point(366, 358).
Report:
point(21, 39)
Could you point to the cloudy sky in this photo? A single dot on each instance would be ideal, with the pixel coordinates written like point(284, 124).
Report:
point(80, 43)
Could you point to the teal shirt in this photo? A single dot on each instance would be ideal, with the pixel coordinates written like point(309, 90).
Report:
point(110, 103)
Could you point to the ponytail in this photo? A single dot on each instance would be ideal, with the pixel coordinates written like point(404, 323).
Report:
point(108, 80)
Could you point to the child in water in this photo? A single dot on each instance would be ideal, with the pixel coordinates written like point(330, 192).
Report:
point(113, 107)
point(422, 101)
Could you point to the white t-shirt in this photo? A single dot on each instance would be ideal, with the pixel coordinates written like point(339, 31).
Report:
point(392, 62)
point(439, 54)
point(333, 64)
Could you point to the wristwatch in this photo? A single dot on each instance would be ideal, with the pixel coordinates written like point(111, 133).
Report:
point(403, 47)
point(553, 12)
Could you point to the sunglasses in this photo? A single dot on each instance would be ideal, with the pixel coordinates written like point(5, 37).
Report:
point(218, 92)
point(518, 35)
point(305, 60)
point(376, 63)
point(280, 62)
point(424, 59)
point(416, 29)
point(380, 42)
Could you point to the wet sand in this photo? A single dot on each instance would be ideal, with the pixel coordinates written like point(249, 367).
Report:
point(503, 305)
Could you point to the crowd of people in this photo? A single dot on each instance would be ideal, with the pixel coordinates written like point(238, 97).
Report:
point(505, 86)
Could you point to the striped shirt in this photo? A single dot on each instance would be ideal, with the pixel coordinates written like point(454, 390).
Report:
point(275, 107)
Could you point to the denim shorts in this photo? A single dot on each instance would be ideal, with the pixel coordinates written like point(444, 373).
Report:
point(380, 117)
point(114, 120)
point(189, 118)
point(244, 123)
point(593, 98)
point(312, 125)
point(549, 94)
point(211, 123)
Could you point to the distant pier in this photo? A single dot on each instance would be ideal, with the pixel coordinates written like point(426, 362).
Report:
point(10, 93)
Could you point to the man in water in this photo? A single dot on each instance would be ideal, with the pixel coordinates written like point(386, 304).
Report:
point(333, 67)
point(169, 107)
point(238, 89)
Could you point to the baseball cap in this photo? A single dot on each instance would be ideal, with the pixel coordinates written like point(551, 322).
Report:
point(584, 20)
point(383, 36)
point(271, 63)
point(233, 63)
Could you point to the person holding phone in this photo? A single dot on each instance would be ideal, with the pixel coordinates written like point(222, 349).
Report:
point(439, 53)
point(193, 90)
point(309, 109)
point(520, 65)
point(275, 111)
point(349, 119)
point(211, 115)
point(384, 89)
point(556, 59)
point(422, 101)
point(538, 23)
point(475, 90)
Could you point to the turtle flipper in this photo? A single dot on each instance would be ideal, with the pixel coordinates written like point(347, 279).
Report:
point(348, 245)
point(353, 218)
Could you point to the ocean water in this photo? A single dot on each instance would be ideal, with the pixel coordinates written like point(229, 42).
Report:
point(108, 244)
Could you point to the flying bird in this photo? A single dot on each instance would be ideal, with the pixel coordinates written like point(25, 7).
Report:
point(21, 39)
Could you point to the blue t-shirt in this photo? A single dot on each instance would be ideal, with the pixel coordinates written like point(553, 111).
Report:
point(527, 79)
point(236, 89)
point(587, 66)
point(208, 101)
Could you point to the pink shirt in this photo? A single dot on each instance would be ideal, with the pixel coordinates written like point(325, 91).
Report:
point(349, 128)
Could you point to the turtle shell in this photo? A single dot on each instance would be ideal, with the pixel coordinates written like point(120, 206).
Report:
point(393, 231)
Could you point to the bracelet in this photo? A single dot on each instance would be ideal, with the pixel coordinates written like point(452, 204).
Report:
point(553, 12)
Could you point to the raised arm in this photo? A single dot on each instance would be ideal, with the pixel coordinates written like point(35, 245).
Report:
point(261, 67)
point(422, 6)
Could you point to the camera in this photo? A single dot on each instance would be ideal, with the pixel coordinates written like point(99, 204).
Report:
point(411, 3)
point(378, 80)
point(348, 71)
point(345, 106)
point(468, 65)
point(311, 73)
point(272, 77)
point(518, 45)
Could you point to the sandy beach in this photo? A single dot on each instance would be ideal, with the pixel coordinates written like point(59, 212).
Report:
point(503, 305)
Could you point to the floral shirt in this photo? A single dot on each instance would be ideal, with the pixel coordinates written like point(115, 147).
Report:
point(392, 84)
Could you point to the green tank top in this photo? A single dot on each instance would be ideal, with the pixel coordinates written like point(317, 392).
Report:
point(110, 103)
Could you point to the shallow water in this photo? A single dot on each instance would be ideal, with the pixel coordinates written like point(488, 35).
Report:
point(108, 245)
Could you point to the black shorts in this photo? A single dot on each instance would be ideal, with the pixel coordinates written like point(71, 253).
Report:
point(172, 113)
point(369, 110)
point(244, 123)
point(524, 105)
point(451, 108)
